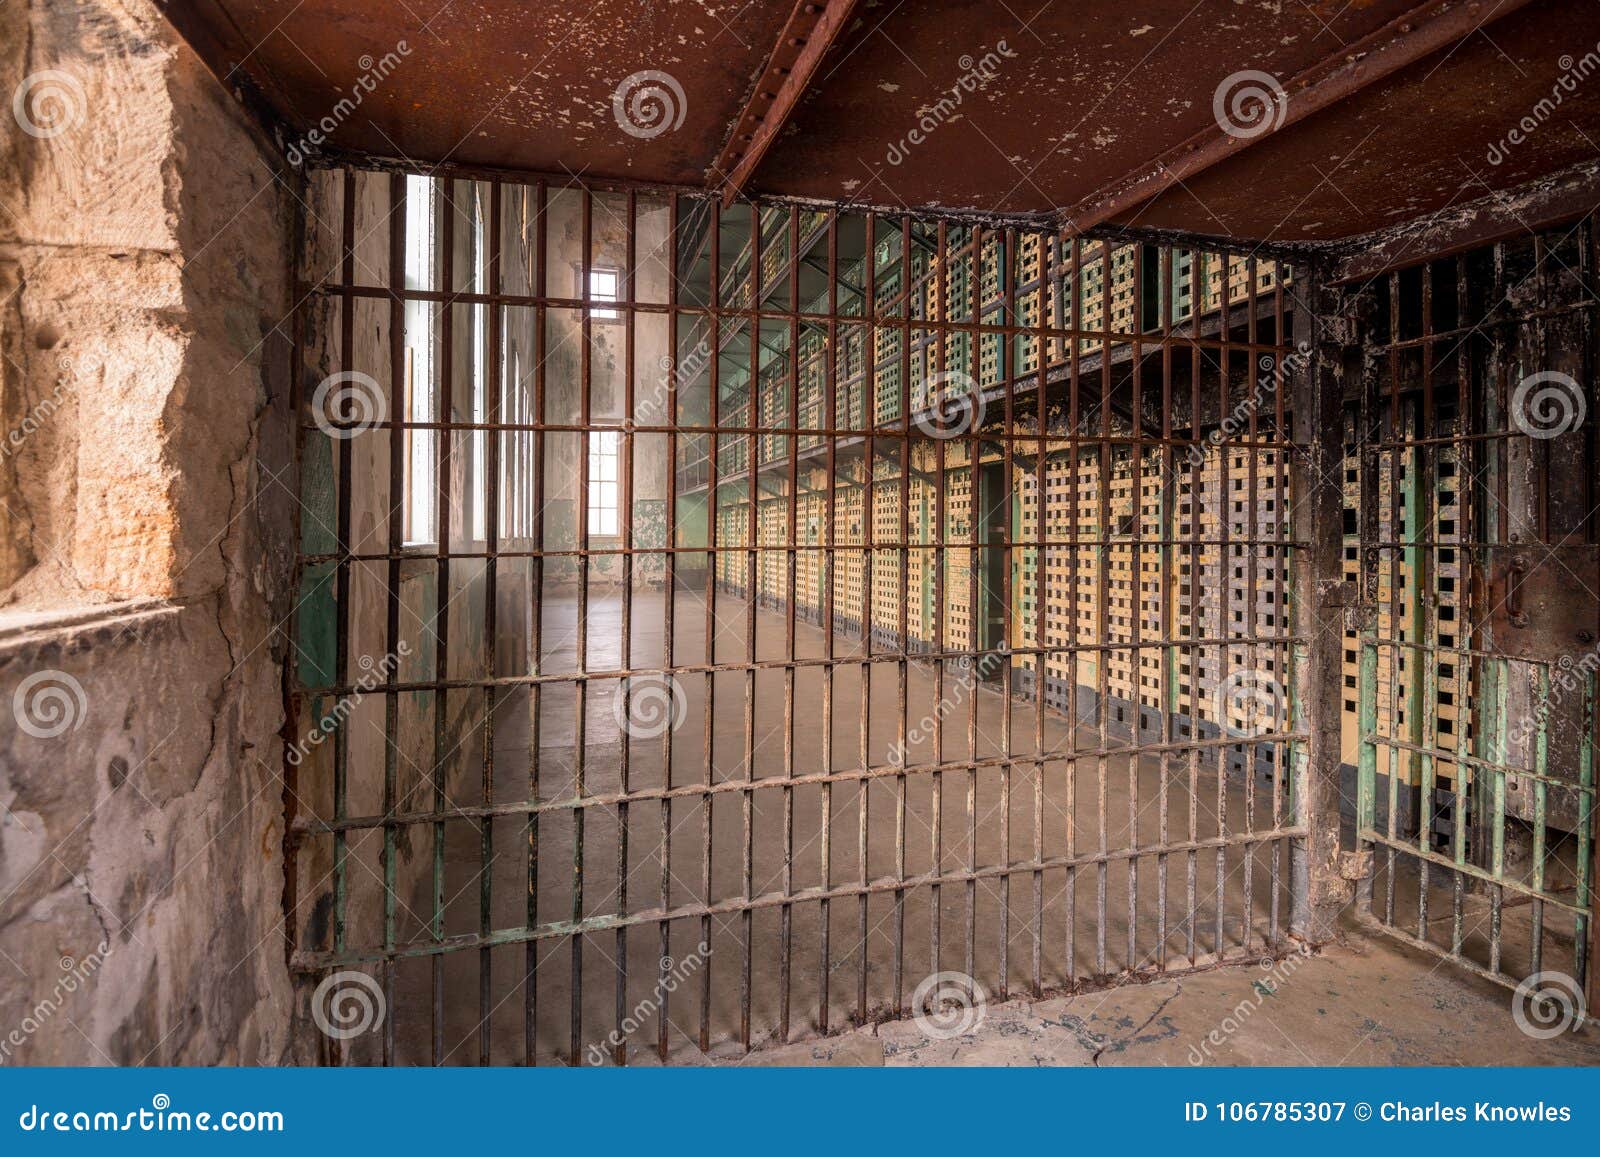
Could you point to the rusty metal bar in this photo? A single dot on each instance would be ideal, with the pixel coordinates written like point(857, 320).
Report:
point(536, 576)
point(802, 43)
point(625, 508)
point(672, 365)
point(442, 500)
point(807, 418)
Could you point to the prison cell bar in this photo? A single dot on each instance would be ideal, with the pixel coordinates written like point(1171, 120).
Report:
point(1008, 331)
point(1487, 772)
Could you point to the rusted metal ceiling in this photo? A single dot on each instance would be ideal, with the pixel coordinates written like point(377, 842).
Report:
point(1440, 134)
point(1086, 112)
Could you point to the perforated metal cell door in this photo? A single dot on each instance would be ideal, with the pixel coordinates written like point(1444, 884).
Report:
point(1476, 663)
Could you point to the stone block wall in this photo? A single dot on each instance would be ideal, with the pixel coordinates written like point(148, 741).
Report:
point(146, 550)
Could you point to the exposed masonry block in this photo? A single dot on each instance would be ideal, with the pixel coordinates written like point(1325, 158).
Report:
point(144, 256)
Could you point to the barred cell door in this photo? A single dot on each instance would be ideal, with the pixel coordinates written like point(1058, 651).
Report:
point(725, 626)
point(1474, 525)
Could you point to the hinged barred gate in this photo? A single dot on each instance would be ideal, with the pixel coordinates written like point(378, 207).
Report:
point(1472, 526)
point(721, 625)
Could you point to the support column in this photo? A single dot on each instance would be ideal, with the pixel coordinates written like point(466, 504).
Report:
point(1322, 602)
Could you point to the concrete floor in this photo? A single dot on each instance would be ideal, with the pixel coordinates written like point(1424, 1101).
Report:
point(1366, 1001)
point(1114, 803)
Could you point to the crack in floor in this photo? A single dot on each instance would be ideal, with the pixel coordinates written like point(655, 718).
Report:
point(1123, 1043)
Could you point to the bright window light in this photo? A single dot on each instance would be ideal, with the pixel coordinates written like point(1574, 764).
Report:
point(420, 400)
point(603, 483)
point(603, 287)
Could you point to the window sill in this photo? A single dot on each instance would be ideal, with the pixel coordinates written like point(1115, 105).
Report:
point(19, 627)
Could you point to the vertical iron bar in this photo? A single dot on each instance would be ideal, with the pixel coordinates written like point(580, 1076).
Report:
point(401, 408)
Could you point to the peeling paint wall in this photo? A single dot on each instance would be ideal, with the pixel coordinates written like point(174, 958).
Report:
point(144, 250)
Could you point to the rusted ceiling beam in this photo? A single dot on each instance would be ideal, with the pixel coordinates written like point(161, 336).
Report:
point(1405, 40)
point(1542, 204)
point(806, 37)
